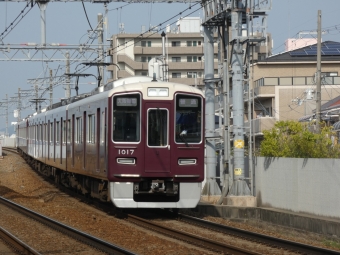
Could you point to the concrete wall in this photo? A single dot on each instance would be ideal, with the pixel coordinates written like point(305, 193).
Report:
point(8, 141)
point(299, 185)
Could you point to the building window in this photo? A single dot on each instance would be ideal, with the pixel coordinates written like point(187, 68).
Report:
point(192, 74)
point(176, 59)
point(199, 58)
point(145, 59)
point(191, 58)
point(144, 73)
point(193, 43)
point(175, 43)
point(199, 43)
point(329, 74)
point(146, 43)
point(176, 75)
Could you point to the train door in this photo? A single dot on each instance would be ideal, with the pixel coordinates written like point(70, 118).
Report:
point(157, 146)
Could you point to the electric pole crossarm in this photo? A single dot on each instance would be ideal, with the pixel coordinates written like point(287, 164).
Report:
point(110, 1)
point(31, 53)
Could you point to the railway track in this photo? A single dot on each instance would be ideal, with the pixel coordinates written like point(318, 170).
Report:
point(16, 244)
point(269, 241)
point(89, 240)
point(10, 149)
point(190, 238)
point(209, 244)
point(256, 237)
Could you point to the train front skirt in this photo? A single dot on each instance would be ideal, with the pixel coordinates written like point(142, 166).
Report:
point(122, 195)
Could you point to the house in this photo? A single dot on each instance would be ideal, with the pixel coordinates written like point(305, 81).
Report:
point(284, 85)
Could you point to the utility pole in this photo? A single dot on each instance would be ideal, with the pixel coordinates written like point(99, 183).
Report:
point(100, 47)
point(318, 76)
point(68, 87)
point(43, 6)
point(6, 135)
point(211, 188)
point(19, 105)
point(240, 187)
point(51, 88)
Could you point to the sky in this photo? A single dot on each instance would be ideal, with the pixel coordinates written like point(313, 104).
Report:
point(67, 23)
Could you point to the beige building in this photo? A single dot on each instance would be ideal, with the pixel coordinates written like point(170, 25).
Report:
point(184, 54)
point(285, 85)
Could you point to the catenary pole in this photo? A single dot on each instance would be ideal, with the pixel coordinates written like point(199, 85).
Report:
point(318, 76)
point(211, 187)
point(239, 187)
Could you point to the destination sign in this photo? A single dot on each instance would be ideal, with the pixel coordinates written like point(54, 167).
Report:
point(188, 102)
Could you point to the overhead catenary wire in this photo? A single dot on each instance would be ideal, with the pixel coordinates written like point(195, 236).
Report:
point(16, 21)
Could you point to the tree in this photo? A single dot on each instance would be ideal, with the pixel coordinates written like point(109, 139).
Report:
point(294, 140)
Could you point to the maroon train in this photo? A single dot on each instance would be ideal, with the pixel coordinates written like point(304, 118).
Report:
point(135, 142)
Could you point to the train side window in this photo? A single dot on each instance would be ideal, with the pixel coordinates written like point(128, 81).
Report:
point(188, 119)
point(92, 129)
point(79, 130)
point(69, 130)
point(51, 133)
point(126, 118)
point(64, 131)
point(57, 132)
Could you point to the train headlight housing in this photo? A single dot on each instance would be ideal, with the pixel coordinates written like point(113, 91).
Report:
point(126, 161)
point(186, 161)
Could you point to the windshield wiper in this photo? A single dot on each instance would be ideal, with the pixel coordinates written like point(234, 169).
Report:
point(181, 135)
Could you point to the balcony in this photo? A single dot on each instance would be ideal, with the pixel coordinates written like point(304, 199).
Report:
point(261, 124)
point(138, 50)
point(131, 63)
point(187, 81)
point(123, 74)
point(188, 65)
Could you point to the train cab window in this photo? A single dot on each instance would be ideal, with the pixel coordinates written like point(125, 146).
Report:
point(126, 118)
point(188, 119)
point(157, 127)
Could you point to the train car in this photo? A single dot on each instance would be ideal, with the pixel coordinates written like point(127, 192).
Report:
point(138, 143)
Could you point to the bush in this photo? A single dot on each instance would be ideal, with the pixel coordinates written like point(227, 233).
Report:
point(293, 139)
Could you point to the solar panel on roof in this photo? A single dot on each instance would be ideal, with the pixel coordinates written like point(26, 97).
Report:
point(327, 49)
point(332, 46)
point(331, 52)
point(311, 52)
point(297, 53)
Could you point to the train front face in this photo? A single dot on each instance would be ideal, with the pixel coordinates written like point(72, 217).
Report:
point(156, 146)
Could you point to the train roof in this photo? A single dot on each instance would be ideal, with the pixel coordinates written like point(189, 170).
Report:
point(136, 83)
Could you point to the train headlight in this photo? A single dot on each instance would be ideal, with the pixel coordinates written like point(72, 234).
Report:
point(126, 161)
point(187, 161)
point(158, 92)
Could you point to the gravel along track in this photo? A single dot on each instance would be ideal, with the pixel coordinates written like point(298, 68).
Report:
point(23, 186)
point(20, 184)
point(5, 249)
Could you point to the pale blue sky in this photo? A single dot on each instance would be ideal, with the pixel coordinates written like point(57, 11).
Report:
point(67, 23)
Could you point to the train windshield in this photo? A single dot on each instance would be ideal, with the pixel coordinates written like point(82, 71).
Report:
point(188, 119)
point(126, 118)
